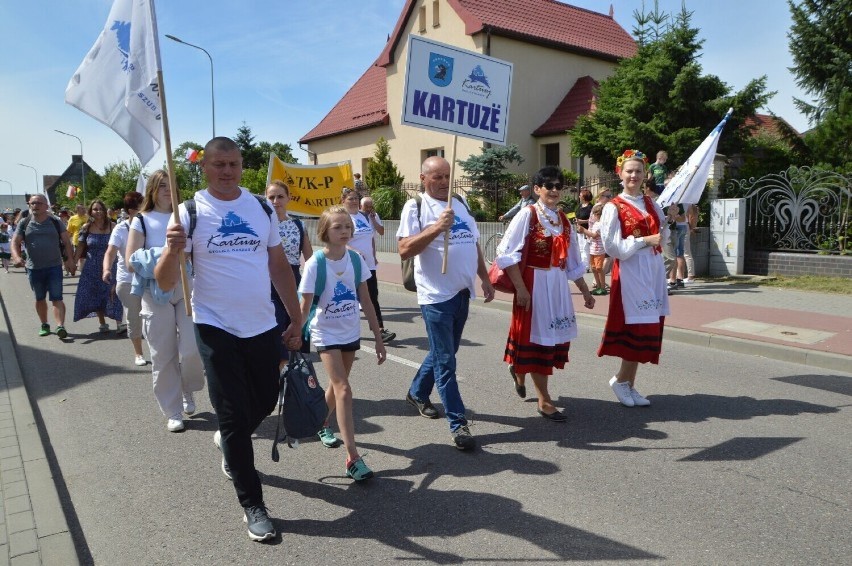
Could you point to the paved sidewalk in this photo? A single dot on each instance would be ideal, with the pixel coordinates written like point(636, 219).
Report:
point(802, 327)
point(33, 529)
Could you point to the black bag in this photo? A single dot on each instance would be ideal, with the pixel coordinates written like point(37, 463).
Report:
point(301, 403)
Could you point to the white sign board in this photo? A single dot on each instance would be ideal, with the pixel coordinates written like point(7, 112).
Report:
point(456, 91)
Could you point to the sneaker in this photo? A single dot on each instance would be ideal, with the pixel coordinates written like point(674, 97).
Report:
point(425, 409)
point(387, 336)
point(140, 361)
point(104, 327)
point(226, 469)
point(61, 332)
point(260, 526)
point(463, 439)
point(188, 403)
point(122, 329)
point(638, 399)
point(175, 423)
point(622, 391)
point(358, 470)
point(326, 436)
point(688, 281)
point(45, 329)
point(679, 283)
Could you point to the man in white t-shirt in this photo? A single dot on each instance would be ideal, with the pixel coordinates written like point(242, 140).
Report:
point(374, 228)
point(444, 298)
point(236, 251)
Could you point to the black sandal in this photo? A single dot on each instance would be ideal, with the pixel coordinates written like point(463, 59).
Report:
point(521, 390)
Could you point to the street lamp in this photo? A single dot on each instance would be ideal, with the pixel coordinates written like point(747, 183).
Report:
point(36, 174)
point(82, 163)
point(212, 98)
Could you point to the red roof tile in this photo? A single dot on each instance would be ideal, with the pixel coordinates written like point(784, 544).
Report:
point(764, 123)
point(363, 106)
point(580, 100)
point(543, 22)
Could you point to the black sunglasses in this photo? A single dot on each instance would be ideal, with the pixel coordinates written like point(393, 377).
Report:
point(552, 185)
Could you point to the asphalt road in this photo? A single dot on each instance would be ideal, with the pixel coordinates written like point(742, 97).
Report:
point(740, 460)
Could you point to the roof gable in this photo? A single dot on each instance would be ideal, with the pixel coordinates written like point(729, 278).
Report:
point(363, 106)
point(579, 101)
point(544, 22)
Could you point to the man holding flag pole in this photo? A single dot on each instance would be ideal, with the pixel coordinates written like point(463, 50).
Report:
point(120, 83)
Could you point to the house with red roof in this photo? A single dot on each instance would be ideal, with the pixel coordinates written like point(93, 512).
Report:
point(559, 54)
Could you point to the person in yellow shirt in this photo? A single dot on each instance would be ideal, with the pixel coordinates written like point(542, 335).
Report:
point(74, 224)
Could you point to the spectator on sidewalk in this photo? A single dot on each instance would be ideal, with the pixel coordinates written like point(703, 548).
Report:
point(360, 185)
point(48, 246)
point(234, 319)
point(364, 243)
point(584, 210)
point(650, 189)
point(692, 228)
point(597, 254)
point(526, 199)
point(658, 171)
point(444, 299)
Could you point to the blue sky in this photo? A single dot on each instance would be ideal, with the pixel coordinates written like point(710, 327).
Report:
point(280, 67)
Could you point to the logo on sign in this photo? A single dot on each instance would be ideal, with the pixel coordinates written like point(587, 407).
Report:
point(477, 83)
point(440, 69)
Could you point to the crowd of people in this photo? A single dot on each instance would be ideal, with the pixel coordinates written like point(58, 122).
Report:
point(130, 272)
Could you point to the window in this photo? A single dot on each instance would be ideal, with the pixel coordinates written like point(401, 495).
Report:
point(436, 151)
point(436, 16)
point(421, 19)
point(551, 154)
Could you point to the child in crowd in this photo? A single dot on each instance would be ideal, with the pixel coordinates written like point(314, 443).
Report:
point(5, 246)
point(335, 327)
point(596, 250)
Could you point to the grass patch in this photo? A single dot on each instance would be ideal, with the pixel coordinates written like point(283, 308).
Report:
point(838, 285)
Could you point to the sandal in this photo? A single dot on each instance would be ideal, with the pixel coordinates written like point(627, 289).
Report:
point(521, 390)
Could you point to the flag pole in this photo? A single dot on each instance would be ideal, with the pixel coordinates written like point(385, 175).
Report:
point(449, 203)
point(184, 276)
point(170, 165)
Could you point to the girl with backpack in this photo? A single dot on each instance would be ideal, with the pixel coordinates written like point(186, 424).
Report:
point(333, 284)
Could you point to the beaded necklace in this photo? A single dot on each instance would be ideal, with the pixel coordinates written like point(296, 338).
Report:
point(555, 223)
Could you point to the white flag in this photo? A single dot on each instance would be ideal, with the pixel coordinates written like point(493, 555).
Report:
point(688, 183)
point(117, 81)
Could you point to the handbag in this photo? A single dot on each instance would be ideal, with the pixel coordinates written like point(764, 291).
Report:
point(500, 279)
point(301, 403)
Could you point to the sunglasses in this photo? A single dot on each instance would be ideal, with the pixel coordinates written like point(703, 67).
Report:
point(550, 185)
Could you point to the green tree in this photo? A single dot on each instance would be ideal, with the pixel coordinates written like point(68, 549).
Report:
point(491, 165)
point(282, 150)
point(188, 173)
point(381, 171)
point(118, 179)
point(659, 99)
point(821, 45)
point(252, 154)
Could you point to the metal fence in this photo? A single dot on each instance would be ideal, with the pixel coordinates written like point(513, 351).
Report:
point(801, 209)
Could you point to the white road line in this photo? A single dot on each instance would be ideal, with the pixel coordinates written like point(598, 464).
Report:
point(403, 361)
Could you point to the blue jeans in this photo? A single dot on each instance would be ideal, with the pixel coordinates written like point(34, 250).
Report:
point(444, 325)
point(681, 239)
point(46, 282)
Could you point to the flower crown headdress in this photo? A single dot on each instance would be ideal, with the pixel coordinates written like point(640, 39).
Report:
point(629, 154)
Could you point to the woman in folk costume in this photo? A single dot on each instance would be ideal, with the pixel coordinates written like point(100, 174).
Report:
point(632, 226)
point(543, 322)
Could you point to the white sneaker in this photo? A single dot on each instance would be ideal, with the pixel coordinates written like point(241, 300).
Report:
point(622, 391)
point(188, 403)
point(217, 439)
point(638, 399)
point(140, 361)
point(104, 327)
point(175, 423)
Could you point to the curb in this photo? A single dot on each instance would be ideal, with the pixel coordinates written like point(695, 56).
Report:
point(34, 529)
point(781, 353)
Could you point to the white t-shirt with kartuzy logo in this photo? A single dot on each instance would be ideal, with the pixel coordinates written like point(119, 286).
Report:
point(337, 318)
point(432, 286)
point(362, 238)
point(230, 256)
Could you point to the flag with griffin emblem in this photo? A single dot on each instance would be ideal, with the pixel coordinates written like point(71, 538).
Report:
point(117, 84)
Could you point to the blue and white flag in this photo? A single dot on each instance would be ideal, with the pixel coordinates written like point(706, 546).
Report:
point(688, 183)
point(117, 83)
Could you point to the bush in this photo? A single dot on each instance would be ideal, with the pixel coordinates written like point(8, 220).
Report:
point(388, 202)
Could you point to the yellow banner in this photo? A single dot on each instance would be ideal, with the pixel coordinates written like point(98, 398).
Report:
point(313, 188)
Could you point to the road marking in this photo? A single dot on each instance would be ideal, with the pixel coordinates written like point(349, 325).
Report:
point(403, 361)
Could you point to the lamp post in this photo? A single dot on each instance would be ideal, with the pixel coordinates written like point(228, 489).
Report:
point(34, 171)
point(212, 98)
point(82, 162)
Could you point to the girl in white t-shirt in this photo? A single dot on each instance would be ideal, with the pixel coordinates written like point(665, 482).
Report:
point(336, 327)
